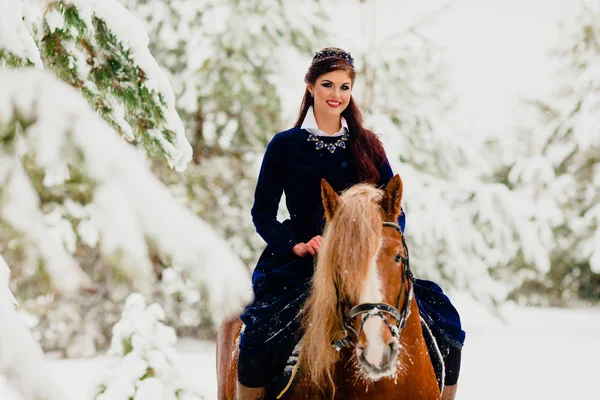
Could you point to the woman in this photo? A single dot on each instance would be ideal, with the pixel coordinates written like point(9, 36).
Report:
point(328, 141)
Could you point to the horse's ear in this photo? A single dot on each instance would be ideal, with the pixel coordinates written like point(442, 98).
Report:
point(392, 198)
point(330, 199)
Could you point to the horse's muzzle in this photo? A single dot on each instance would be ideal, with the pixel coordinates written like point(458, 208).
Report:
point(386, 366)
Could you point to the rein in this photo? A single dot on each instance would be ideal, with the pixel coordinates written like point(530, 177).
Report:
point(368, 310)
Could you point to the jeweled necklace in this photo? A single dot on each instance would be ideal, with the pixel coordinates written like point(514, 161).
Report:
point(319, 144)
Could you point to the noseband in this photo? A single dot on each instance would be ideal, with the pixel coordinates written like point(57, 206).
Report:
point(368, 310)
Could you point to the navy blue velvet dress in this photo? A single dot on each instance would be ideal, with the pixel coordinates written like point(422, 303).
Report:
point(281, 279)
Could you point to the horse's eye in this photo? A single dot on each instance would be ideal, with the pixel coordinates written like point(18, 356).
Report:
point(398, 258)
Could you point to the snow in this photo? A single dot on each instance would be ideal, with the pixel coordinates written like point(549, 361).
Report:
point(130, 204)
point(14, 37)
point(6, 295)
point(133, 34)
point(18, 41)
point(22, 360)
point(55, 20)
point(146, 347)
point(539, 353)
point(21, 210)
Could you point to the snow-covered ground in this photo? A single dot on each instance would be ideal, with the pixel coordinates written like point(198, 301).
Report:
point(538, 354)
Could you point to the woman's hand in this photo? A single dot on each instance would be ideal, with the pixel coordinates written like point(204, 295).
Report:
point(310, 248)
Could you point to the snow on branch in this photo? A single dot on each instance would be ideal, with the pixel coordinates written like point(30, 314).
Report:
point(20, 207)
point(129, 204)
point(15, 40)
point(134, 39)
point(100, 48)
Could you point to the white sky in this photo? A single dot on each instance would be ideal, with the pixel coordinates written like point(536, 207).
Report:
point(497, 51)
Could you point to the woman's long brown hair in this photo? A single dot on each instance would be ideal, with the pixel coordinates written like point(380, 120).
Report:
point(365, 146)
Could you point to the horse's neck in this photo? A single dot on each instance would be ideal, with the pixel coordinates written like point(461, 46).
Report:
point(411, 338)
point(412, 333)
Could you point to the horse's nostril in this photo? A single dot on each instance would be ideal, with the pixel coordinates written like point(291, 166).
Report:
point(390, 355)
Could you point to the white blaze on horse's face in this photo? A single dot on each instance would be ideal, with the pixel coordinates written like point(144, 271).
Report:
point(377, 349)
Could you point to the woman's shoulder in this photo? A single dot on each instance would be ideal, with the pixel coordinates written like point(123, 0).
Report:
point(288, 135)
point(286, 139)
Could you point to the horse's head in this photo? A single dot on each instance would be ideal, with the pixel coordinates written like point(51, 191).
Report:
point(362, 285)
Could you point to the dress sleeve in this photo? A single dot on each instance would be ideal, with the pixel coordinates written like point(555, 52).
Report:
point(267, 195)
point(385, 176)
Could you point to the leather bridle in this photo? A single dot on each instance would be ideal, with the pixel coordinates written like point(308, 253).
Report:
point(382, 310)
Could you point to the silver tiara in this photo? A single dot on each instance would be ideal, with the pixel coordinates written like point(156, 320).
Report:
point(325, 54)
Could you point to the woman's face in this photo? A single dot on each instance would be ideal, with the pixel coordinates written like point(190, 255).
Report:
point(332, 92)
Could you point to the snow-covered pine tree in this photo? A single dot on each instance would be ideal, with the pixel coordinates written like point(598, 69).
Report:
point(148, 366)
point(101, 49)
point(223, 58)
point(559, 173)
point(458, 226)
point(70, 184)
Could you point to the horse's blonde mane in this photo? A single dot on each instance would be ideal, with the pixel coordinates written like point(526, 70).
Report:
point(350, 242)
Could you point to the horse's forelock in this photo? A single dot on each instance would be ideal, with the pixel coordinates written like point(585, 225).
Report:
point(351, 240)
point(355, 234)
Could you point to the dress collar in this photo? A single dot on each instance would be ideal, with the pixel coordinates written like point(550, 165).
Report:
point(310, 124)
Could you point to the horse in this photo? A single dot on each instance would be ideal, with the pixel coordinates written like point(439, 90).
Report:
point(362, 334)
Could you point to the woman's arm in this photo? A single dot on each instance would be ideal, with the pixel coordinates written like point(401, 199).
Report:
point(385, 176)
point(267, 195)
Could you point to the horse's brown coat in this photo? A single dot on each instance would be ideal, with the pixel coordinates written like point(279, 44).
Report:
point(227, 353)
